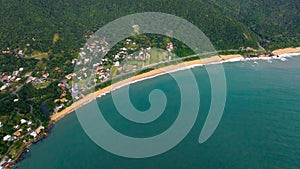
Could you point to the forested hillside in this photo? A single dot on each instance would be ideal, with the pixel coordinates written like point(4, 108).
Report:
point(277, 23)
point(224, 22)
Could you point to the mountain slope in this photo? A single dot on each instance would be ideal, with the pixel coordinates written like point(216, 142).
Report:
point(23, 21)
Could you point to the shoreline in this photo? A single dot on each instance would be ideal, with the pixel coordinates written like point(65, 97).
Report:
point(286, 52)
point(151, 74)
point(161, 71)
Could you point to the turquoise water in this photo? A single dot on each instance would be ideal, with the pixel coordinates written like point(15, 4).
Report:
point(260, 127)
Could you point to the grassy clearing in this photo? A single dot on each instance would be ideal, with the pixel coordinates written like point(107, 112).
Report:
point(16, 149)
point(157, 55)
point(55, 38)
point(114, 71)
point(42, 85)
point(37, 55)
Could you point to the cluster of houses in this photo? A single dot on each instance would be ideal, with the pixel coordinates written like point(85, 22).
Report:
point(7, 51)
point(86, 57)
point(26, 130)
point(9, 78)
point(17, 52)
point(90, 59)
point(90, 56)
point(62, 101)
point(38, 80)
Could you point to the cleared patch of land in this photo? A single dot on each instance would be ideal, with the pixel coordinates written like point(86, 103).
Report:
point(38, 55)
point(55, 38)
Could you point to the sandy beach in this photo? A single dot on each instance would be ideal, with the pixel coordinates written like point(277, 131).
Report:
point(156, 72)
point(228, 57)
point(286, 51)
point(152, 73)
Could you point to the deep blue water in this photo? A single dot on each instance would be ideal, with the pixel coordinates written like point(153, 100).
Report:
point(260, 127)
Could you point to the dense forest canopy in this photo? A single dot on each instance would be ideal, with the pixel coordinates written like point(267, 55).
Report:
point(228, 23)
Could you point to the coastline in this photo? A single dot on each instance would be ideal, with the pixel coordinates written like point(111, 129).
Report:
point(286, 51)
point(280, 53)
point(153, 73)
point(157, 72)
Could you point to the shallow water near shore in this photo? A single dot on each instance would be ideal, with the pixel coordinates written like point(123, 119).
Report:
point(259, 129)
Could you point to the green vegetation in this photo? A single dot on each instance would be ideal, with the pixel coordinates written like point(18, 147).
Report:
point(43, 37)
point(276, 23)
point(61, 25)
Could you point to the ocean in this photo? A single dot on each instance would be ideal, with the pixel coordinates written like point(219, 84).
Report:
point(260, 127)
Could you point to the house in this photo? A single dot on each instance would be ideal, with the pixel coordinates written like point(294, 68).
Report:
point(3, 87)
point(5, 51)
point(46, 75)
point(74, 61)
point(57, 69)
point(70, 76)
point(7, 137)
point(33, 134)
point(21, 52)
point(15, 73)
point(29, 122)
point(13, 78)
point(117, 64)
point(63, 100)
point(170, 46)
point(16, 100)
point(38, 130)
point(117, 57)
point(16, 126)
point(21, 69)
point(23, 121)
point(17, 133)
point(135, 26)
point(5, 165)
point(1, 124)
point(61, 85)
point(4, 78)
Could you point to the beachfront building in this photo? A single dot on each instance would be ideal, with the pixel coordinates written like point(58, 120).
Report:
point(33, 134)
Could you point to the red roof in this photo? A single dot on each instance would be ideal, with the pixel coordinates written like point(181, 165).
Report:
point(4, 77)
point(5, 164)
point(17, 133)
point(61, 85)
